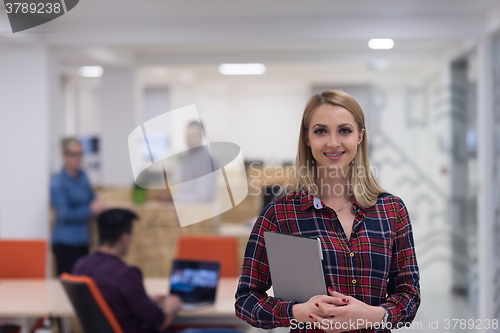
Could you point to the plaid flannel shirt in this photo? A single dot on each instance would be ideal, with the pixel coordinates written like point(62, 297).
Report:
point(377, 265)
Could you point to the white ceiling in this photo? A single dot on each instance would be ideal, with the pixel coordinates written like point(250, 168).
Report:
point(156, 32)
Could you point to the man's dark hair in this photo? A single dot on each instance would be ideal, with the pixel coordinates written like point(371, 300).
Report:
point(113, 223)
point(196, 123)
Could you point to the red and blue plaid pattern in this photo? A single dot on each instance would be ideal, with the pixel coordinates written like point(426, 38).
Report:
point(377, 265)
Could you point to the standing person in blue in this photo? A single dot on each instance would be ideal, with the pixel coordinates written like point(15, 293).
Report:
point(74, 203)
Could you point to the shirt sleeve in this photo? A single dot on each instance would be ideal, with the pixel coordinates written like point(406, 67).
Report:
point(403, 288)
point(253, 305)
point(67, 213)
point(139, 302)
point(92, 196)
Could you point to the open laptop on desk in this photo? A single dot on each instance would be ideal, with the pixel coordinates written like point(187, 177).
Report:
point(195, 282)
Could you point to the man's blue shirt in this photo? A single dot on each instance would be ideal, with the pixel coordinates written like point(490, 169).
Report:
point(71, 198)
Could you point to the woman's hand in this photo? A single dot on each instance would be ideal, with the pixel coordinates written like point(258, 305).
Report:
point(97, 207)
point(354, 315)
point(303, 312)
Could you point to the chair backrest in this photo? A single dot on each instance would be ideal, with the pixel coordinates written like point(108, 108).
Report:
point(91, 308)
point(23, 259)
point(222, 249)
point(10, 329)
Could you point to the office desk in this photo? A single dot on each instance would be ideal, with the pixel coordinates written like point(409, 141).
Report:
point(40, 298)
point(222, 312)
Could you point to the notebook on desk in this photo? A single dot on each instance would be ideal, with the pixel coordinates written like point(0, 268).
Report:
point(195, 282)
point(296, 267)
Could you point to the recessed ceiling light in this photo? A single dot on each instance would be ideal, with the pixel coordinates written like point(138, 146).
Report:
point(90, 71)
point(380, 43)
point(242, 69)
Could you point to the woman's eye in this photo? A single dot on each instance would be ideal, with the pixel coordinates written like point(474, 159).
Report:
point(319, 131)
point(345, 131)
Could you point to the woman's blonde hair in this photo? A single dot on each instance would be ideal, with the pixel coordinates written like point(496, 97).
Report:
point(363, 186)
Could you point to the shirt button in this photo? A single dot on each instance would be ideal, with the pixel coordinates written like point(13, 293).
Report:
point(351, 254)
point(353, 281)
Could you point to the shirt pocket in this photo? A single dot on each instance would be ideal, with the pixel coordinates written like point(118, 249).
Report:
point(378, 253)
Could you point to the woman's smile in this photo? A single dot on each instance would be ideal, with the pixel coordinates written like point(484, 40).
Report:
point(334, 155)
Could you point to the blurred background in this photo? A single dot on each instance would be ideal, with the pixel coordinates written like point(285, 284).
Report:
point(432, 103)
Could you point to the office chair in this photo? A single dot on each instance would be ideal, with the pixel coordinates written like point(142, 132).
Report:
point(10, 329)
point(91, 308)
point(222, 249)
point(23, 259)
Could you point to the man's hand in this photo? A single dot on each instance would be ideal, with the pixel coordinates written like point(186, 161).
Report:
point(171, 305)
point(158, 299)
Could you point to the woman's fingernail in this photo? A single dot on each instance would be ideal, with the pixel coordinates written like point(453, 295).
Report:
point(316, 304)
point(310, 316)
point(330, 289)
point(345, 300)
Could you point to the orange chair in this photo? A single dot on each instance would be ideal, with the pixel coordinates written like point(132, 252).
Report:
point(23, 259)
point(222, 249)
point(91, 308)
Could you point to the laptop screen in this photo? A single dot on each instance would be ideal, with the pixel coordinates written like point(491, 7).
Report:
point(195, 281)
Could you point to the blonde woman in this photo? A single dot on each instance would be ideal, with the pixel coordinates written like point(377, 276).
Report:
point(369, 262)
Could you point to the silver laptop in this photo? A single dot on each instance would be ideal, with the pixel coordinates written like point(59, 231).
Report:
point(296, 266)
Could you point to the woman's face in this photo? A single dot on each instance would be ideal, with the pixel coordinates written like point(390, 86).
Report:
point(333, 136)
point(73, 157)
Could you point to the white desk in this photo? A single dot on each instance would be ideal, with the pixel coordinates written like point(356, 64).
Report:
point(33, 298)
point(25, 298)
point(222, 312)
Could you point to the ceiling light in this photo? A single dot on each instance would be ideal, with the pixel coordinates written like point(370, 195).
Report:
point(380, 43)
point(90, 71)
point(242, 69)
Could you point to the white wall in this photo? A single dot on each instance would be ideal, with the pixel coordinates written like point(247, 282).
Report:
point(118, 110)
point(262, 118)
point(412, 153)
point(28, 90)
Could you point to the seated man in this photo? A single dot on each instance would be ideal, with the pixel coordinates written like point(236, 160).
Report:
point(121, 285)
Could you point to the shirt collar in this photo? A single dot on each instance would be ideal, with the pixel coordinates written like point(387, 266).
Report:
point(67, 175)
point(100, 253)
point(307, 200)
point(357, 208)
